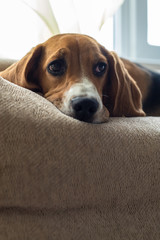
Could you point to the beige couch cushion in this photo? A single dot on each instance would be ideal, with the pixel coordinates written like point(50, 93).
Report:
point(4, 63)
point(65, 179)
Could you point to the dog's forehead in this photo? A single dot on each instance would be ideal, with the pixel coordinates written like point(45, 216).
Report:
point(73, 42)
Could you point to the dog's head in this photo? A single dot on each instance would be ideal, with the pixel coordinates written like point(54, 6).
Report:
point(80, 77)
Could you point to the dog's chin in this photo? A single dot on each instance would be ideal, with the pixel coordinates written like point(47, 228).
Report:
point(101, 116)
point(93, 120)
point(98, 118)
point(90, 121)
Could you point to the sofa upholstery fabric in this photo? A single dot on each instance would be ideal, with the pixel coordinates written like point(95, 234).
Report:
point(65, 179)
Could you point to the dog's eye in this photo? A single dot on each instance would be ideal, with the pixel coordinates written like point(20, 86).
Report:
point(99, 69)
point(57, 67)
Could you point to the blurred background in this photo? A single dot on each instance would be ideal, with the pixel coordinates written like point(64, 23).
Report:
point(129, 27)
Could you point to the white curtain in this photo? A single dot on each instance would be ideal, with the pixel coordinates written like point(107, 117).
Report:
point(91, 17)
point(83, 16)
point(25, 23)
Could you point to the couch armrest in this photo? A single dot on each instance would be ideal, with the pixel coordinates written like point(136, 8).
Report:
point(5, 63)
point(64, 179)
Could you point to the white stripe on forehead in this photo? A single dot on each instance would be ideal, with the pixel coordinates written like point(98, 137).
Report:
point(88, 50)
point(80, 61)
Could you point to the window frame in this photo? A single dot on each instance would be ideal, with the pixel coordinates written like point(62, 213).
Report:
point(130, 31)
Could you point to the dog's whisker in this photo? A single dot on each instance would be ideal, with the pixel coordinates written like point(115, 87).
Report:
point(105, 96)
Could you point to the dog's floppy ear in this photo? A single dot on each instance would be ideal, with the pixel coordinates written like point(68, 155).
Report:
point(123, 95)
point(24, 72)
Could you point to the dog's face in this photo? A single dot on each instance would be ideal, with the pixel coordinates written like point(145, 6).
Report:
point(73, 76)
point(81, 78)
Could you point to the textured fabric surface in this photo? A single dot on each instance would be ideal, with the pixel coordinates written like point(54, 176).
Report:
point(4, 63)
point(65, 179)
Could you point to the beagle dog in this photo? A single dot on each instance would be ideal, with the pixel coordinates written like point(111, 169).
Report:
point(86, 81)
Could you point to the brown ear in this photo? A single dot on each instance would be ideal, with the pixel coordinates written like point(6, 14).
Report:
point(123, 94)
point(24, 72)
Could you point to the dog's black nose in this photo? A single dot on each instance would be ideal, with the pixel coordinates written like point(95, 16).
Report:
point(84, 108)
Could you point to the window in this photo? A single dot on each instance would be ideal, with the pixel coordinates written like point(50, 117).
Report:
point(153, 18)
point(137, 32)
